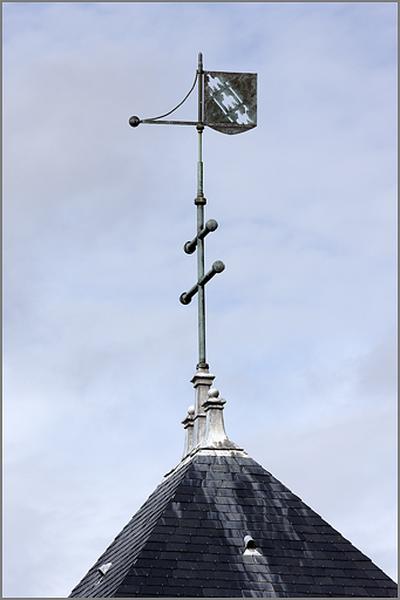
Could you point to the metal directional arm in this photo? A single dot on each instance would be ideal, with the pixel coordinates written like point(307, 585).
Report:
point(217, 267)
point(135, 121)
point(190, 247)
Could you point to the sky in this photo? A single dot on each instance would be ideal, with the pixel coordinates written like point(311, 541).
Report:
point(301, 333)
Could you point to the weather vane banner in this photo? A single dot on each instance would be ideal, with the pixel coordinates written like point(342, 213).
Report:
point(230, 101)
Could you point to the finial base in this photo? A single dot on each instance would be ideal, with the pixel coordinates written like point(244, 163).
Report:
point(202, 382)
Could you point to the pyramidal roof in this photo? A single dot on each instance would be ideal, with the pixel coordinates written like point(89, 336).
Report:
point(220, 525)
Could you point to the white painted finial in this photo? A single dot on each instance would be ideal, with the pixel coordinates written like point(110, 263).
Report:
point(188, 423)
point(215, 435)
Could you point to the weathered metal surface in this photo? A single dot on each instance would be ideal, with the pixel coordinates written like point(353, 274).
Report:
point(188, 424)
point(230, 101)
point(217, 267)
point(215, 428)
point(202, 381)
point(215, 435)
point(211, 225)
point(200, 203)
point(164, 122)
point(134, 121)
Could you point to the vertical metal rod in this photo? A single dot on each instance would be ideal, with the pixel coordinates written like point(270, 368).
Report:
point(200, 202)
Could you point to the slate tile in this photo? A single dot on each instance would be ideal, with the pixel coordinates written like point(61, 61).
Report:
point(188, 591)
point(195, 513)
point(184, 497)
point(154, 545)
point(166, 591)
point(150, 554)
point(225, 468)
point(218, 592)
point(256, 594)
point(212, 533)
point(165, 563)
point(225, 500)
point(200, 507)
point(164, 529)
point(150, 589)
point(197, 537)
point(197, 473)
point(188, 523)
point(160, 537)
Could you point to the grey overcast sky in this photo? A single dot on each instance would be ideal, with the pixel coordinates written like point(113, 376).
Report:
point(302, 323)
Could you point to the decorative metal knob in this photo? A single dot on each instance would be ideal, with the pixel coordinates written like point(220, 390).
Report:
point(211, 225)
point(134, 121)
point(218, 266)
point(184, 298)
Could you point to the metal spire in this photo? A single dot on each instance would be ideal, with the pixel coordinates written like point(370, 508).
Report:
point(226, 102)
point(200, 202)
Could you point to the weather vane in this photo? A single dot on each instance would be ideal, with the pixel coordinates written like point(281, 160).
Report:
point(227, 102)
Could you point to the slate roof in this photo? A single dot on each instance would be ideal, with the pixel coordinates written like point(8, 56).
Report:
point(187, 540)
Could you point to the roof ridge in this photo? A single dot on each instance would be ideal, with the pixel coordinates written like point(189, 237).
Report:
point(93, 581)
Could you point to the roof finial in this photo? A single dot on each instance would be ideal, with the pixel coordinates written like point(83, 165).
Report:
point(188, 423)
point(226, 102)
point(202, 230)
point(215, 435)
